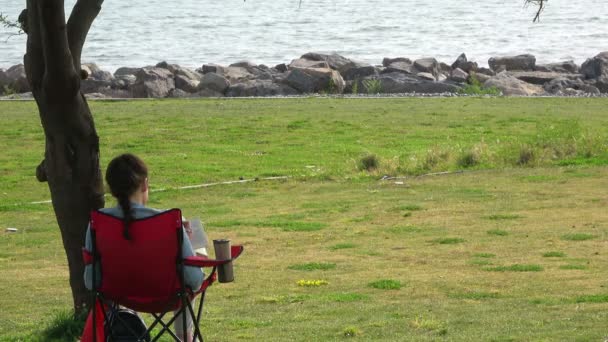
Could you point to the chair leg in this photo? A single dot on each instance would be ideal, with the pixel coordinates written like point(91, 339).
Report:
point(200, 306)
point(166, 327)
point(195, 320)
point(184, 313)
point(157, 319)
point(95, 317)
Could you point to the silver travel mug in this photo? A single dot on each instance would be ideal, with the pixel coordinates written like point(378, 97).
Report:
point(222, 252)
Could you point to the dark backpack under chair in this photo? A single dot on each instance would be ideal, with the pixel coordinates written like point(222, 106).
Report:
point(125, 325)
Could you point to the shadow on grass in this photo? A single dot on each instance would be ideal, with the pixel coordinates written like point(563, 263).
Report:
point(504, 217)
point(345, 245)
point(497, 232)
point(312, 266)
point(577, 237)
point(64, 326)
point(554, 254)
point(448, 241)
point(515, 268)
point(386, 284)
point(475, 295)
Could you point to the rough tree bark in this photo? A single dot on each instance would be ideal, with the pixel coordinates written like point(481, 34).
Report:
point(71, 159)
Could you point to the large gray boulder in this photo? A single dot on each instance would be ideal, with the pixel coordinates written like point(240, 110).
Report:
point(89, 68)
point(463, 64)
point(539, 77)
point(185, 79)
point(596, 69)
point(565, 85)
point(358, 70)
point(90, 86)
point(186, 84)
point(95, 73)
point(123, 81)
point(445, 69)
point(386, 61)
point(215, 82)
point(315, 80)
point(259, 88)
point(208, 93)
point(525, 62)
point(237, 74)
point(126, 71)
point(485, 71)
point(281, 68)
point(426, 76)
point(404, 66)
point(459, 75)
point(153, 82)
point(255, 71)
point(509, 85)
point(398, 82)
point(4, 81)
point(103, 75)
point(216, 68)
point(17, 79)
point(243, 64)
point(307, 63)
point(560, 67)
point(481, 78)
point(179, 93)
point(427, 65)
point(187, 73)
point(334, 61)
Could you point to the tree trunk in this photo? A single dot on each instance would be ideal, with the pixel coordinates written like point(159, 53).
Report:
point(71, 159)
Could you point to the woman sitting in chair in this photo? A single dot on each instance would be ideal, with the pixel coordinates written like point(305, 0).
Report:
point(127, 176)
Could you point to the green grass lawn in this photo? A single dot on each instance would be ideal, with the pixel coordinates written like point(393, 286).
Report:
point(512, 249)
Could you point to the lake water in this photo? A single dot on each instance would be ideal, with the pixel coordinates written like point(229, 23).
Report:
point(192, 33)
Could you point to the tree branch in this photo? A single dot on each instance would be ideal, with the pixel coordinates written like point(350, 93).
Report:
point(541, 6)
point(82, 17)
point(7, 23)
point(41, 171)
point(60, 79)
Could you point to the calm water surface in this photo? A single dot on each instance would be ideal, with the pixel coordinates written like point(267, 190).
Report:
point(138, 33)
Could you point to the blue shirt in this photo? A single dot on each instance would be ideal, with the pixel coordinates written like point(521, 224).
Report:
point(193, 276)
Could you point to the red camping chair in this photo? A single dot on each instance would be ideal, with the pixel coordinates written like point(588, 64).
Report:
point(144, 273)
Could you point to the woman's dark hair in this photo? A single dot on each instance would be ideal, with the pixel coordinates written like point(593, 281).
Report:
point(125, 174)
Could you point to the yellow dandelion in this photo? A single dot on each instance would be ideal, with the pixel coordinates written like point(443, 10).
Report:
point(311, 283)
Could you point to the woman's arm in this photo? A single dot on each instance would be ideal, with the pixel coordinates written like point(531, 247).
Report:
point(193, 276)
point(88, 269)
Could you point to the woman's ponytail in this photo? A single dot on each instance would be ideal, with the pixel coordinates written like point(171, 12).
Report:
point(125, 204)
point(125, 175)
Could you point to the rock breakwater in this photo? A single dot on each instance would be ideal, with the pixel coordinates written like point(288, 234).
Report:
point(317, 73)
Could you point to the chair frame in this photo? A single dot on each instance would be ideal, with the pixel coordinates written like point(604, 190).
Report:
point(184, 294)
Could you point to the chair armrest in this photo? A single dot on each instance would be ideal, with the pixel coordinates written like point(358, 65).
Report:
point(87, 256)
point(236, 251)
point(201, 261)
